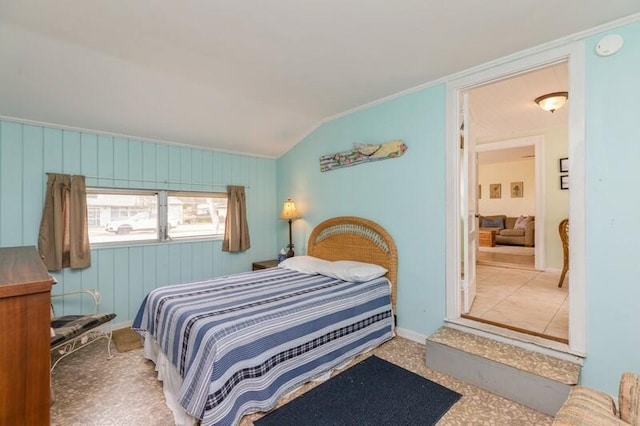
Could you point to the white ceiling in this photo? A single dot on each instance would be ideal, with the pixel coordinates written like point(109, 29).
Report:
point(252, 76)
point(506, 108)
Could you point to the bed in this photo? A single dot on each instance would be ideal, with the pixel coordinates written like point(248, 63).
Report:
point(236, 344)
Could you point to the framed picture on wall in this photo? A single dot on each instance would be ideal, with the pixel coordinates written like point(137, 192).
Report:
point(517, 190)
point(564, 182)
point(495, 190)
point(564, 165)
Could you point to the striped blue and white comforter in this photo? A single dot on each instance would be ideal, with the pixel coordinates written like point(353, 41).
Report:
point(241, 342)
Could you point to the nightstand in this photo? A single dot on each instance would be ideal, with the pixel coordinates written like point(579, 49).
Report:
point(264, 264)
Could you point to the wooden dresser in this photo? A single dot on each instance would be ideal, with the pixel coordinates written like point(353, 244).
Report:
point(25, 318)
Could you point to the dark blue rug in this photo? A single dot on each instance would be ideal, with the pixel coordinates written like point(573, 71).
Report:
point(372, 392)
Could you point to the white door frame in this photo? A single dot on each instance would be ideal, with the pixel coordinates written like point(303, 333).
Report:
point(540, 187)
point(574, 54)
point(469, 202)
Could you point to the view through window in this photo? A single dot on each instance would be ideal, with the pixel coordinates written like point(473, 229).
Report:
point(121, 216)
point(196, 216)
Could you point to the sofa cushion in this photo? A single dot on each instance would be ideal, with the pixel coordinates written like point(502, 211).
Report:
point(512, 232)
point(587, 407)
point(492, 222)
point(629, 398)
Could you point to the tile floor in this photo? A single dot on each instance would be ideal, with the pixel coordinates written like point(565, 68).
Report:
point(522, 298)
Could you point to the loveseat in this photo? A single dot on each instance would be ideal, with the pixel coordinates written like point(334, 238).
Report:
point(586, 406)
point(507, 232)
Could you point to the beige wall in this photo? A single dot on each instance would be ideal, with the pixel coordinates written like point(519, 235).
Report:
point(556, 200)
point(504, 174)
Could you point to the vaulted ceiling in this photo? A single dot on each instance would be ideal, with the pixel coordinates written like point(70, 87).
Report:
point(252, 76)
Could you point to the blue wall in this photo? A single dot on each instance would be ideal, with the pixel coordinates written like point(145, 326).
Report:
point(124, 275)
point(405, 195)
point(613, 210)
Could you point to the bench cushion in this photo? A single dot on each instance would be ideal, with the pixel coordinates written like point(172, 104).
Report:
point(69, 326)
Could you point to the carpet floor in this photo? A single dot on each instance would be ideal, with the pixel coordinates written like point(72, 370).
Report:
point(91, 390)
point(372, 392)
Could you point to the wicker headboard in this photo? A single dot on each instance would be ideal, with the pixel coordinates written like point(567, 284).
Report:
point(354, 238)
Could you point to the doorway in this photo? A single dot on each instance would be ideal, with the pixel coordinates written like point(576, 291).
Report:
point(514, 289)
point(519, 165)
point(457, 236)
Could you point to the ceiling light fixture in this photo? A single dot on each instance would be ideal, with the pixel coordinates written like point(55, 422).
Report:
point(552, 101)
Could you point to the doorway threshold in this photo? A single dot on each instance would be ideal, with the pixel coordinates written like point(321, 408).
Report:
point(518, 329)
point(516, 338)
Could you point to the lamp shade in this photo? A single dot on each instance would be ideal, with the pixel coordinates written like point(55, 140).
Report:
point(552, 101)
point(289, 210)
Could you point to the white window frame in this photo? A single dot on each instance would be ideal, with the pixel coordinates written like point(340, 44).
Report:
point(162, 209)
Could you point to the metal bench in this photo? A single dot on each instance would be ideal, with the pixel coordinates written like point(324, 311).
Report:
point(70, 333)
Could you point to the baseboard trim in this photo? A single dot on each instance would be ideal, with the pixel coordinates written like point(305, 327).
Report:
point(411, 335)
point(121, 325)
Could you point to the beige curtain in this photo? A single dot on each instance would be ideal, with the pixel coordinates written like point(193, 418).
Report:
point(64, 235)
point(236, 229)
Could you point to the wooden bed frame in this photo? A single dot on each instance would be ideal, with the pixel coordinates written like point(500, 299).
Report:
point(354, 238)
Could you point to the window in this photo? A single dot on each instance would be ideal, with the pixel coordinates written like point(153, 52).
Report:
point(122, 215)
point(196, 215)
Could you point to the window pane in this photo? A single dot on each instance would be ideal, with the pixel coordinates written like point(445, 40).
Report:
point(116, 217)
point(196, 216)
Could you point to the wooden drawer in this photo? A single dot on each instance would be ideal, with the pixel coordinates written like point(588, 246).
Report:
point(25, 339)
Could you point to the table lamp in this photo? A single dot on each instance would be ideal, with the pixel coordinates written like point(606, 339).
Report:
point(289, 213)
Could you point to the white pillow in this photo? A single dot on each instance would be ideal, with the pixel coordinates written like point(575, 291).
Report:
point(305, 264)
point(521, 222)
point(349, 270)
